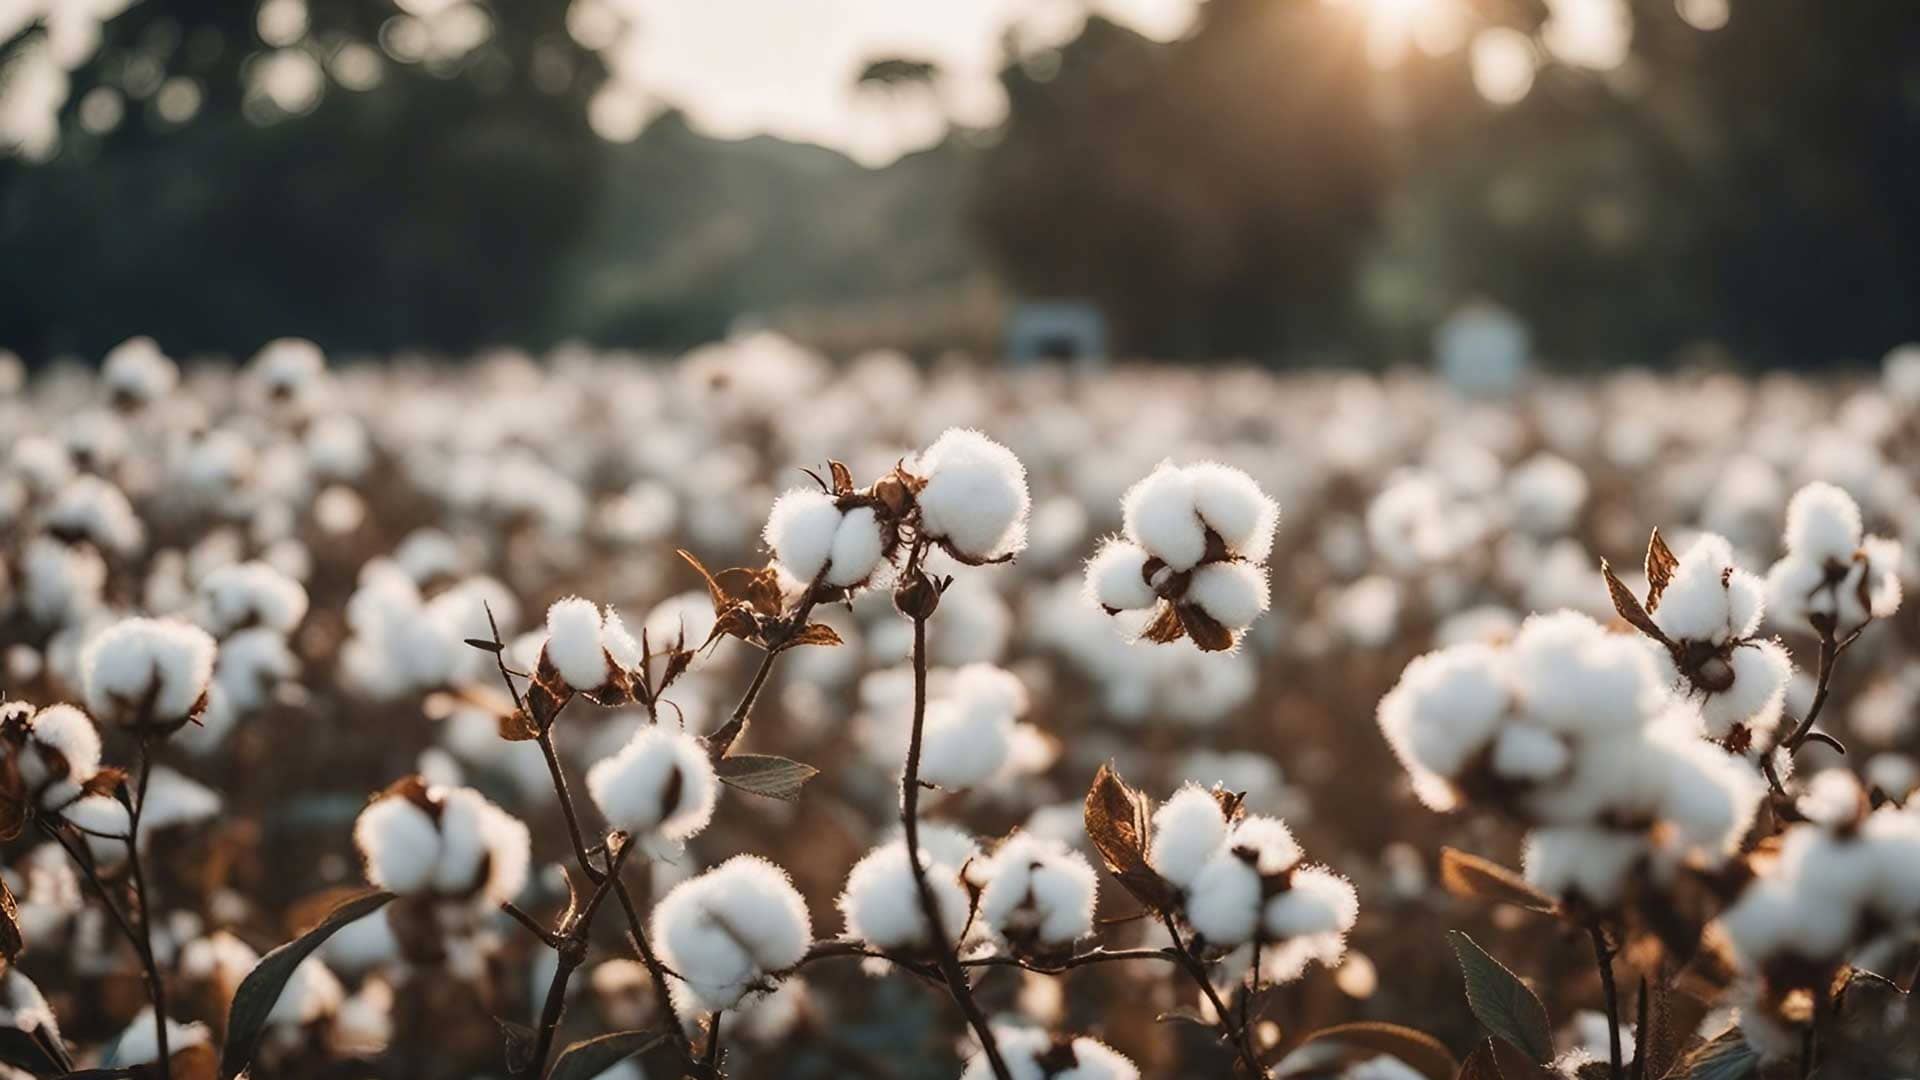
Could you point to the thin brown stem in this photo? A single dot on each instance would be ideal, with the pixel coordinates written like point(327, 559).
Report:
point(949, 963)
point(1830, 650)
point(727, 734)
point(570, 942)
point(1236, 1034)
point(1603, 959)
point(1086, 959)
point(156, 983)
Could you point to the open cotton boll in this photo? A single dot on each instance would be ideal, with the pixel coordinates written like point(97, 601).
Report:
point(399, 844)
point(1710, 797)
point(251, 594)
point(290, 369)
point(1576, 677)
point(1266, 842)
point(1444, 710)
point(1223, 903)
point(139, 1044)
point(58, 583)
point(730, 928)
point(1582, 862)
point(1231, 503)
point(857, 548)
point(1160, 515)
point(1316, 901)
point(1546, 493)
point(62, 752)
point(1116, 578)
point(963, 747)
point(881, 903)
point(975, 498)
point(98, 816)
point(1709, 598)
point(1233, 594)
point(475, 837)
point(148, 672)
point(1526, 752)
point(1754, 699)
point(1188, 829)
point(136, 371)
point(1823, 523)
point(801, 529)
point(575, 645)
point(632, 787)
point(1039, 890)
point(1025, 1048)
point(89, 508)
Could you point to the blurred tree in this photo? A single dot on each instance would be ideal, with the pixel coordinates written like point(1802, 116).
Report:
point(366, 175)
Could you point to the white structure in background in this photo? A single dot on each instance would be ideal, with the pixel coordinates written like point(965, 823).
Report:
point(1044, 330)
point(1483, 350)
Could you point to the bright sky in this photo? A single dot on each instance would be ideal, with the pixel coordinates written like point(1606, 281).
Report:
point(788, 67)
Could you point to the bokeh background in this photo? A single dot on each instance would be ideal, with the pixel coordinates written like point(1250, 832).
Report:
point(1283, 180)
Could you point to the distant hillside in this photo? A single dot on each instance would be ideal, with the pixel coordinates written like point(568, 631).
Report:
point(691, 233)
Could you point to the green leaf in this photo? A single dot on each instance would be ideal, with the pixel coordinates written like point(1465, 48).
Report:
point(591, 1057)
point(260, 990)
point(1501, 1001)
point(1727, 1057)
point(765, 774)
point(38, 1052)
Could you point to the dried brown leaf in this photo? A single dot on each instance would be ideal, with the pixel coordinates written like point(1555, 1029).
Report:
point(1165, 627)
point(1628, 606)
point(1117, 822)
point(1661, 564)
point(1474, 878)
point(815, 634)
point(1205, 631)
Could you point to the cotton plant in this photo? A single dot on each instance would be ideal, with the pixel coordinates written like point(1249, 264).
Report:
point(1192, 551)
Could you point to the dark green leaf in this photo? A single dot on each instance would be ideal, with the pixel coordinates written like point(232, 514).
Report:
point(38, 1051)
point(1501, 1001)
point(521, 1041)
point(247, 1020)
point(1727, 1057)
point(591, 1057)
point(765, 774)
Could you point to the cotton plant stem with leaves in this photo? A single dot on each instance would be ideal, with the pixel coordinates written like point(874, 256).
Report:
point(949, 963)
point(727, 734)
point(570, 943)
point(1236, 1033)
point(1603, 960)
point(84, 862)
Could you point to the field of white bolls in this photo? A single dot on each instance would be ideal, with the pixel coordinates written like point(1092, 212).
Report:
point(749, 714)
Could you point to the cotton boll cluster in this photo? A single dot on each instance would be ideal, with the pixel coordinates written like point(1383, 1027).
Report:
point(730, 932)
point(53, 752)
point(290, 371)
point(447, 843)
point(250, 594)
point(149, 674)
point(1834, 579)
point(1039, 894)
point(91, 509)
point(588, 649)
point(403, 643)
point(1545, 494)
point(1710, 614)
point(1194, 542)
point(813, 537)
point(660, 788)
point(1839, 883)
point(1568, 727)
point(881, 903)
point(972, 495)
point(1242, 880)
point(1032, 1054)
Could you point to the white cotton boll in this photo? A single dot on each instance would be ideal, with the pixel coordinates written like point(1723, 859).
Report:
point(1097, 1061)
point(961, 746)
point(881, 903)
point(975, 496)
point(1546, 494)
point(1696, 606)
point(1621, 775)
point(312, 994)
point(1760, 673)
point(98, 816)
point(62, 740)
point(1823, 523)
point(1768, 917)
point(1833, 797)
point(1317, 901)
point(1576, 677)
point(1795, 591)
point(1023, 1047)
point(730, 928)
point(1233, 594)
point(1233, 506)
point(621, 646)
point(1588, 863)
point(92, 509)
point(988, 688)
point(476, 835)
point(136, 371)
point(685, 616)
point(399, 843)
point(1266, 841)
point(1525, 752)
point(148, 671)
point(60, 584)
point(1041, 888)
point(1188, 829)
point(291, 369)
point(1159, 514)
point(1446, 708)
point(800, 531)
point(1710, 797)
point(1223, 903)
point(251, 594)
point(857, 548)
point(139, 1044)
point(574, 643)
point(631, 787)
point(1115, 577)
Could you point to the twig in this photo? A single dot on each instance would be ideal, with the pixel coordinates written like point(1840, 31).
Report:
point(949, 963)
point(725, 735)
point(1086, 959)
point(571, 945)
point(1197, 971)
point(1830, 651)
point(156, 985)
point(1603, 959)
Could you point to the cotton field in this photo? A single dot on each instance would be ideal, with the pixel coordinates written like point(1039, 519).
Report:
point(759, 714)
